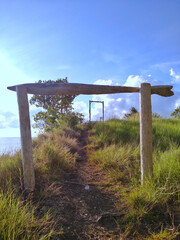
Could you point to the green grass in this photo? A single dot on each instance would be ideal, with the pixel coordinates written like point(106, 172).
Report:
point(11, 169)
point(120, 161)
point(53, 153)
point(114, 146)
point(166, 134)
point(18, 221)
point(116, 131)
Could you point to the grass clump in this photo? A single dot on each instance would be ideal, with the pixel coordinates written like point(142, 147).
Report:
point(55, 151)
point(167, 167)
point(164, 234)
point(119, 161)
point(11, 170)
point(18, 221)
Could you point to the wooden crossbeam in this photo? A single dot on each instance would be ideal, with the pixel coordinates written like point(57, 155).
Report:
point(87, 89)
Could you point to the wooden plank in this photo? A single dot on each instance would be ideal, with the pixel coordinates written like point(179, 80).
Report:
point(162, 90)
point(73, 88)
point(90, 111)
point(88, 89)
point(26, 140)
point(145, 132)
point(103, 111)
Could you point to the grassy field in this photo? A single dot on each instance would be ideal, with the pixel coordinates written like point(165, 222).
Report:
point(114, 146)
point(151, 211)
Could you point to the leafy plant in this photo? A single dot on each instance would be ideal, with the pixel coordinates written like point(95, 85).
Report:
point(176, 113)
point(55, 109)
point(133, 111)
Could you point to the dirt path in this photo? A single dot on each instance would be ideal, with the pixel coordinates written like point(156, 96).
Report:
point(81, 204)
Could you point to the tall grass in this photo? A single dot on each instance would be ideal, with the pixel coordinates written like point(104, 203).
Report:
point(53, 153)
point(116, 131)
point(18, 221)
point(114, 145)
point(120, 161)
point(11, 170)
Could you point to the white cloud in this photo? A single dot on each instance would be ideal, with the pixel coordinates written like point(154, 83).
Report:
point(134, 81)
point(103, 82)
point(114, 105)
point(8, 120)
point(176, 77)
point(81, 107)
point(172, 72)
point(177, 103)
point(119, 99)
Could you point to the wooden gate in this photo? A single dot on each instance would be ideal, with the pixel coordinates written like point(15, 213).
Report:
point(145, 91)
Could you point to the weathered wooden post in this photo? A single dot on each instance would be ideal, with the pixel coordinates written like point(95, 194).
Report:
point(26, 140)
point(103, 111)
point(89, 111)
point(101, 118)
point(145, 131)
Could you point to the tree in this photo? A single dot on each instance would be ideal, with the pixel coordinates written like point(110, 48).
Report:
point(133, 111)
point(55, 109)
point(156, 116)
point(176, 113)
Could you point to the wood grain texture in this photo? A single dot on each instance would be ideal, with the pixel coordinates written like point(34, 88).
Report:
point(162, 90)
point(145, 132)
point(73, 88)
point(26, 140)
point(87, 89)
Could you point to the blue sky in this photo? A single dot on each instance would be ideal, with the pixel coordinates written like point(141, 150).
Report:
point(111, 42)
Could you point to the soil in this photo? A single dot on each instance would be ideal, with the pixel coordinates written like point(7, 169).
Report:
point(81, 203)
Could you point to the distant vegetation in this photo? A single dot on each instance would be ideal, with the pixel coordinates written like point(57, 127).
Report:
point(176, 113)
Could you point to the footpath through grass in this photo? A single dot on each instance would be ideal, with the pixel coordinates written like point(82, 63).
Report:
point(152, 209)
